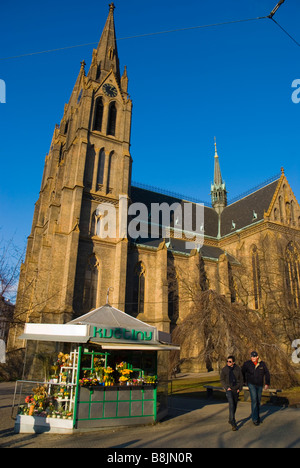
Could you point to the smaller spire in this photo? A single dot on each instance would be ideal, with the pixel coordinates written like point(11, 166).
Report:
point(218, 188)
point(217, 173)
point(216, 152)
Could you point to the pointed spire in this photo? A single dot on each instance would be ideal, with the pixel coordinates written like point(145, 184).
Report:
point(218, 188)
point(217, 172)
point(107, 53)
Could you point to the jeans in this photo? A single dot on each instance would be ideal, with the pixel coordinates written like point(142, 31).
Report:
point(255, 394)
point(232, 398)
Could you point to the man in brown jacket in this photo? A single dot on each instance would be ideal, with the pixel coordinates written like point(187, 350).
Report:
point(232, 382)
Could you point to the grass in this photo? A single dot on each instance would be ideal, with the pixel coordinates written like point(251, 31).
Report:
point(188, 387)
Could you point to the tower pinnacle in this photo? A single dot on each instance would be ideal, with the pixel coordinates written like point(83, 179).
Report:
point(106, 56)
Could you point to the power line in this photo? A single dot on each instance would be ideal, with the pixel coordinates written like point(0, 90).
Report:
point(137, 37)
point(285, 31)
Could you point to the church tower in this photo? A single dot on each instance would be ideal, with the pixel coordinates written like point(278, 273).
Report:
point(68, 268)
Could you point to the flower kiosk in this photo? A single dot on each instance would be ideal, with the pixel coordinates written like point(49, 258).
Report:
point(109, 376)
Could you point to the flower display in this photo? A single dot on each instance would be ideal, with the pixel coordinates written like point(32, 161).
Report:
point(85, 382)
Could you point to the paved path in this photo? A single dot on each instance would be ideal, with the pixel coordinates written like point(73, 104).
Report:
point(192, 423)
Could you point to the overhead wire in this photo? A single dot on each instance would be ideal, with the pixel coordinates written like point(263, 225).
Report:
point(285, 31)
point(136, 37)
point(224, 23)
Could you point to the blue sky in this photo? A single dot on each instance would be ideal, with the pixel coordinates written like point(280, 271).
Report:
point(232, 81)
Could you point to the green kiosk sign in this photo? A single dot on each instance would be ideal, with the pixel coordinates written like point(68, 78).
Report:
point(122, 334)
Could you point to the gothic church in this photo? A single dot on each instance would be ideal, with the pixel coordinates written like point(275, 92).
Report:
point(69, 269)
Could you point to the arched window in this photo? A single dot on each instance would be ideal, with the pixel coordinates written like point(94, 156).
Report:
point(98, 115)
point(280, 209)
point(95, 229)
point(100, 172)
point(112, 119)
point(66, 127)
point(293, 211)
point(138, 289)
point(111, 173)
point(292, 272)
point(91, 283)
point(231, 283)
point(256, 277)
point(288, 212)
point(173, 292)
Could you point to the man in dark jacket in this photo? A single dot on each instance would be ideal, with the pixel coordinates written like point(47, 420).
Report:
point(255, 374)
point(232, 382)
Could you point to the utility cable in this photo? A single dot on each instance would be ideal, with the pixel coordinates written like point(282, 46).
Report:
point(136, 37)
point(285, 31)
point(270, 16)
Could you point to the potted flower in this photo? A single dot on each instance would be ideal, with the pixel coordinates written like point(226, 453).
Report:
point(123, 380)
point(29, 400)
point(60, 394)
point(108, 377)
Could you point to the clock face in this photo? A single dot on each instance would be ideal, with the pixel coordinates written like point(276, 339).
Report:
point(110, 90)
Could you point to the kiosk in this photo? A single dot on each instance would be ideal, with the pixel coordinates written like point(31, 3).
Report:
point(110, 376)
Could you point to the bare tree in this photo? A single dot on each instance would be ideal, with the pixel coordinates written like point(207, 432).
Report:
point(216, 328)
point(11, 257)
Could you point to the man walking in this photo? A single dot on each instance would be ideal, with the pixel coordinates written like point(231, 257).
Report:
point(255, 372)
point(232, 382)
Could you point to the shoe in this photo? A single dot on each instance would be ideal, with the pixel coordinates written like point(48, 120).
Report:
point(256, 423)
point(234, 427)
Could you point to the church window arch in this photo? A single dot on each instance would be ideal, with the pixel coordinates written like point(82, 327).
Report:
point(98, 115)
point(95, 229)
point(91, 280)
point(280, 208)
point(256, 277)
point(100, 170)
point(139, 289)
point(232, 285)
point(173, 292)
point(288, 212)
point(112, 119)
point(111, 172)
point(66, 127)
point(292, 211)
point(292, 274)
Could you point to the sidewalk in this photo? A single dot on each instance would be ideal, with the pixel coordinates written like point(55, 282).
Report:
point(192, 423)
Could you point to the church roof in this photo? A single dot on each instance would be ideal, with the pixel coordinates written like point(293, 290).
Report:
point(238, 215)
point(179, 246)
point(247, 210)
point(141, 195)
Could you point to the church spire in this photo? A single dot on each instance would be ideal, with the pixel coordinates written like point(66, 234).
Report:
point(105, 57)
point(218, 188)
